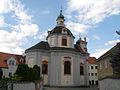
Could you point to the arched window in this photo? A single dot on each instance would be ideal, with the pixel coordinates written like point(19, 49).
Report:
point(64, 41)
point(67, 67)
point(44, 67)
point(81, 69)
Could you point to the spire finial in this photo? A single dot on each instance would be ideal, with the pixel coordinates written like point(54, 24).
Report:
point(61, 10)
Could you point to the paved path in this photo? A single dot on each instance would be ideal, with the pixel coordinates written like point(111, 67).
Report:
point(72, 88)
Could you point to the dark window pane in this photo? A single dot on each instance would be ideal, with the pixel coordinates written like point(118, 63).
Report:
point(44, 68)
point(95, 67)
point(67, 67)
point(92, 74)
point(81, 69)
point(91, 67)
point(64, 42)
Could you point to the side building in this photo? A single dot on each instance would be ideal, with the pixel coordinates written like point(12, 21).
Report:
point(104, 65)
point(9, 63)
point(93, 71)
point(107, 79)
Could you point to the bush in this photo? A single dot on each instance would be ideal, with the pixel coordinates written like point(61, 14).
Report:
point(27, 74)
point(16, 78)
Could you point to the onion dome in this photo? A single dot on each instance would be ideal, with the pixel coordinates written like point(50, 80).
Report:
point(60, 16)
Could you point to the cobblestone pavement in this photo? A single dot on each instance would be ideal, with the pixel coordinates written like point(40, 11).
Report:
point(71, 88)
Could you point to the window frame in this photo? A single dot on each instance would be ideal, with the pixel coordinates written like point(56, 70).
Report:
point(64, 41)
point(81, 69)
point(45, 67)
point(67, 68)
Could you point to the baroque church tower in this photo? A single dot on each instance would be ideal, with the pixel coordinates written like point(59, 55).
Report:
point(62, 62)
point(60, 36)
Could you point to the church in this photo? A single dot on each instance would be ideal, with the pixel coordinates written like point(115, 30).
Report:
point(62, 62)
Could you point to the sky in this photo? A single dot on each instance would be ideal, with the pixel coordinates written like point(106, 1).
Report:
point(24, 23)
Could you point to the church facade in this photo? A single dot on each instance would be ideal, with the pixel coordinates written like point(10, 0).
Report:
point(62, 62)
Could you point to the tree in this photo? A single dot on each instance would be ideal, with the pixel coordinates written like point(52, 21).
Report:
point(115, 61)
point(27, 74)
point(23, 71)
point(1, 73)
point(33, 74)
point(36, 67)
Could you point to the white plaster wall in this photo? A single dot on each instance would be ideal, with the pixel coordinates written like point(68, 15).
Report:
point(55, 41)
point(31, 59)
point(82, 80)
point(45, 79)
point(95, 78)
point(49, 40)
point(5, 72)
point(66, 80)
point(109, 84)
point(52, 40)
point(70, 41)
point(12, 69)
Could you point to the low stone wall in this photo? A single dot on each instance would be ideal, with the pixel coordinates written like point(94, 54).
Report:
point(109, 84)
point(25, 86)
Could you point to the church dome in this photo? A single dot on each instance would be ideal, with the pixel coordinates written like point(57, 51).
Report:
point(59, 30)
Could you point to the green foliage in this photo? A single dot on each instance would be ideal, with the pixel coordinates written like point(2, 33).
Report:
point(16, 78)
point(37, 68)
point(27, 74)
point(23, 71)
point(4, 80)
point(115, 61)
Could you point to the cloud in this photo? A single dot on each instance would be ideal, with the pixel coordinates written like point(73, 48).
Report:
point(4, 6)
point(99, 52)
point(2, 21)
point(112, 42)
point(91, 12)
point(13, 36)
point(76, 27)
point(96, 37)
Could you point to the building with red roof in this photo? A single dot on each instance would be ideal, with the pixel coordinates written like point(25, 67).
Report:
point(9, 63)
point(93, 71)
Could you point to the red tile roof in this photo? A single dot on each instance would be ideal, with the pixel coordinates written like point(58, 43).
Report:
point(5, 56)
point(92, 60)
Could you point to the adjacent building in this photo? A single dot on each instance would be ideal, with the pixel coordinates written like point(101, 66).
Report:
point(9, 63)
point(93, 71)
point(104, 65)
point(62, 62)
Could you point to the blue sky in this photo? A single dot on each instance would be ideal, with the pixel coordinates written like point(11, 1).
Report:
point(23, 23)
